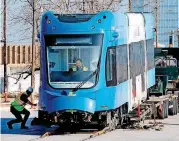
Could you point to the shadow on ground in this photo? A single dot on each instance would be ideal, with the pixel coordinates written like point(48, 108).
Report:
point(33, 130)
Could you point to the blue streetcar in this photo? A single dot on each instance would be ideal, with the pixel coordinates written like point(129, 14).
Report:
point(95, 67)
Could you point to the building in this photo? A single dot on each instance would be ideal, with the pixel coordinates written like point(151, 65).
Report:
point(19, 55)
point(168, 22)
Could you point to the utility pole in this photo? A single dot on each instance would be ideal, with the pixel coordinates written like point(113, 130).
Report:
point(4, 51)
point(178, 36)
point(33, 48)
point(130, 5)
point(156, 21)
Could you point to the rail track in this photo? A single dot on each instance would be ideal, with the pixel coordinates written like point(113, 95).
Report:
point(148, 109)
point(92, 133)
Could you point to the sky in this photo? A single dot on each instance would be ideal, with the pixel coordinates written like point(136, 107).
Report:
point(13, 37)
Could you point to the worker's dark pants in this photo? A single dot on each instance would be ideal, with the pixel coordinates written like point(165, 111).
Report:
point(18, 116)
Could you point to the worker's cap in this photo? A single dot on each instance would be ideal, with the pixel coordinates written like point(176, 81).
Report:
point(30, 89)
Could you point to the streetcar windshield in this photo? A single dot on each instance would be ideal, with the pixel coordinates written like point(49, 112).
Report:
point(71, 59)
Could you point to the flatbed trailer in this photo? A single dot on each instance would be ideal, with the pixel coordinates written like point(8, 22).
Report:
point(166, 71)
point(155, 108)
point(163, 98)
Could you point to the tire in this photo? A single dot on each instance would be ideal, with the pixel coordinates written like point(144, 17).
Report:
point(161, 113)
point(166, 109)
point(174, 106)
point(177, 106)
point(171, 109)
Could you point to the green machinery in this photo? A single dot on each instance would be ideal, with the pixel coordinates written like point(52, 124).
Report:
point(167, 71)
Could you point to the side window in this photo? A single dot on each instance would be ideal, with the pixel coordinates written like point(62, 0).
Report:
point(111, 67)
point(121, 63)
point(150, 54)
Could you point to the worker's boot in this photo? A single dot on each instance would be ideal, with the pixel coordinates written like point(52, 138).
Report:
point(9, 125)
point(24, 127)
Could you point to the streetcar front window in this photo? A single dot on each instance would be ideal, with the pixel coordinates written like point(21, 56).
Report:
point(71, 59)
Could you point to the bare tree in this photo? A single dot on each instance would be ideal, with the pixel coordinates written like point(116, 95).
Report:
point(23, 17)
point(24, 14)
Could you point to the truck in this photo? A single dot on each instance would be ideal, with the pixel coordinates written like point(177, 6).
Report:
point(163, 97)
point(167, 78)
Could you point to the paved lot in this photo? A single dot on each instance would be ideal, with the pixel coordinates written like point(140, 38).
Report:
point(170, 132)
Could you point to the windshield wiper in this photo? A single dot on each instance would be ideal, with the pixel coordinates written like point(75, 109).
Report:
point(86, 80)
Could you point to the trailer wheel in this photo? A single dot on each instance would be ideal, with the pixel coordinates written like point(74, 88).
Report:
point(161, 111)
point(176, 109)
point(176, 106)
point(178, 102)
point(171, 109)
point(166, 109)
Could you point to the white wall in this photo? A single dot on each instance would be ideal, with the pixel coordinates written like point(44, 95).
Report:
point(22, 84)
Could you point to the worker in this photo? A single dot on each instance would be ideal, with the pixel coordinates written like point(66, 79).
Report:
point(18, 107)
point(79, 66)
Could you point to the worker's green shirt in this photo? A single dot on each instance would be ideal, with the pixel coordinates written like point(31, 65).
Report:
point(20, 101)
